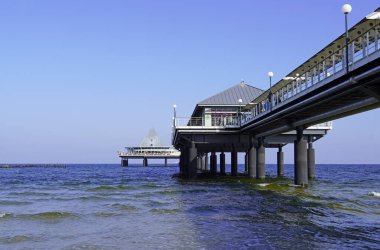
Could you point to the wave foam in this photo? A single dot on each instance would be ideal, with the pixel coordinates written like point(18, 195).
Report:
point(376, 194)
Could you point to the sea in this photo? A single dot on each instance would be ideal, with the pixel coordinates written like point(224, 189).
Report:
point(97, 206)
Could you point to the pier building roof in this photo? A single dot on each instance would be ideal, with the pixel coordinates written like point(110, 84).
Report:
point(230, 97)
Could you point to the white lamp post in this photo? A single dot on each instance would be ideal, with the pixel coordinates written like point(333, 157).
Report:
point(346, 9)
point(270, 74)
point(240, 102)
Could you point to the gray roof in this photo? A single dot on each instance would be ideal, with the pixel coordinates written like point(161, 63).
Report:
point(231, 96)
point(151, 139)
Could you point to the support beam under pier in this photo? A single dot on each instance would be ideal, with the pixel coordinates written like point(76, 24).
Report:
point(222, 163)
point(280, 162)
point(310, 160)
point(234, 162)
point(124, 162)
point(260, 174)
point(252, 160)
point(145, 162)
point(300, 159)
point(213, 163)
point(191, 162)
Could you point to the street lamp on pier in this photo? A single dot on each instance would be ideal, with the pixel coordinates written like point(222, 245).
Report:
point(270, 75)
point(240, 102)
point(174, 114)
point(346, 9)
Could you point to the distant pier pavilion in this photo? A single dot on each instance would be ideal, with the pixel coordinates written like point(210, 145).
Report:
point(150, 148)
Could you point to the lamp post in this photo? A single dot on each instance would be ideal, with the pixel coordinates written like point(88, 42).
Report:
point(174, 114)
point(240, 102)
point(270, 74)
point(346, 9)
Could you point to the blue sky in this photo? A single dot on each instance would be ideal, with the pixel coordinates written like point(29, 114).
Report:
point(80, 80)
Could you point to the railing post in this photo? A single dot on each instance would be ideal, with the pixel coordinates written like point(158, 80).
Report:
point(376, 39)
point(333, 59)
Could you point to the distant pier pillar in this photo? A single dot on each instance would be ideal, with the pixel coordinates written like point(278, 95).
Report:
point(310, 160)
point(206, 162)
point(124, 162)
point(246, 163)
point(203, 162)
point(145, 162)
point(280, 162)
point(222, 163)
point(234, 161)
point(213, 163)
point(166, 162)
point(300, 159)
point(252, 159)
point(260, 157)
point(192, 161)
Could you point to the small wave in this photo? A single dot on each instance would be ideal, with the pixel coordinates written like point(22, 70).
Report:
point(164, 210)
point(263, 184)
point(5, 215)
point(109, 188)
point(48, 215)
point(294, 185)
point(14, 203)
point(87, 198)
point(106, 214)
point(376, 194)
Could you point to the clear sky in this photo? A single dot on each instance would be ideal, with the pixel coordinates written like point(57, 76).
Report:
point(80, 80)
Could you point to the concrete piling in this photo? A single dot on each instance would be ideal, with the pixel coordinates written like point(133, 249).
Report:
point(300, 159)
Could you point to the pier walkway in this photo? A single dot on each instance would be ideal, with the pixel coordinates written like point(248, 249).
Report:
point(338, 81)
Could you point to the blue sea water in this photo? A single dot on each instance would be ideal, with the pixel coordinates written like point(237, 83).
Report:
point(111, 207)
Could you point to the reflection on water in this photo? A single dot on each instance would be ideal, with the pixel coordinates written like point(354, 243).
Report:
point(106, 206)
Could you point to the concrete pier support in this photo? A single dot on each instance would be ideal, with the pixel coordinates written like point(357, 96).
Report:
point(213, 163)
point(206, 162)
point(191, 162)
point(145, 162)
point(300, 159)
point(222, 163)
point(234, 162)
point(310, 160)
point(280, 162)
point(124, 162)
point(203, 162)
point(260, 157)
point(166, 162)
point(252, 161)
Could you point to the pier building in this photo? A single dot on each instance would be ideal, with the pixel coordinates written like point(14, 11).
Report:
point(340, 80)
point(150, 148)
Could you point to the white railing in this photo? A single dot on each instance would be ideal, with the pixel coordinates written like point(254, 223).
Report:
point(224, 121)
point(324, 125)
point(359, 49)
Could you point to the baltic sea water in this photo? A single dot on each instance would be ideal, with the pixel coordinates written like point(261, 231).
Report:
point(111, 207)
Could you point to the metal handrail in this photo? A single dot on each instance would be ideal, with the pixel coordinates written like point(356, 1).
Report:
point(359, 49)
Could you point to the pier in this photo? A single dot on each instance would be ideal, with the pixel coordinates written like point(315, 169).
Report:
point(342, 79)
point(150, 148)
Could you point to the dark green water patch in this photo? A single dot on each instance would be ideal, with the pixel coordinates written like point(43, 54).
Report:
point(164, 211)
point(14, 203)
point(109, 188)
point(14, 239)
point(124, 207)
point(47, 215)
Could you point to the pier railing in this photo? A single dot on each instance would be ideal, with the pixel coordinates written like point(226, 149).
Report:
point(226, 121)
point(232, 122)
point(362, 48)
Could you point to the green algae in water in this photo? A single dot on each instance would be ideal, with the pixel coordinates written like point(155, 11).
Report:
point(48, 215)
point(14, 239)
